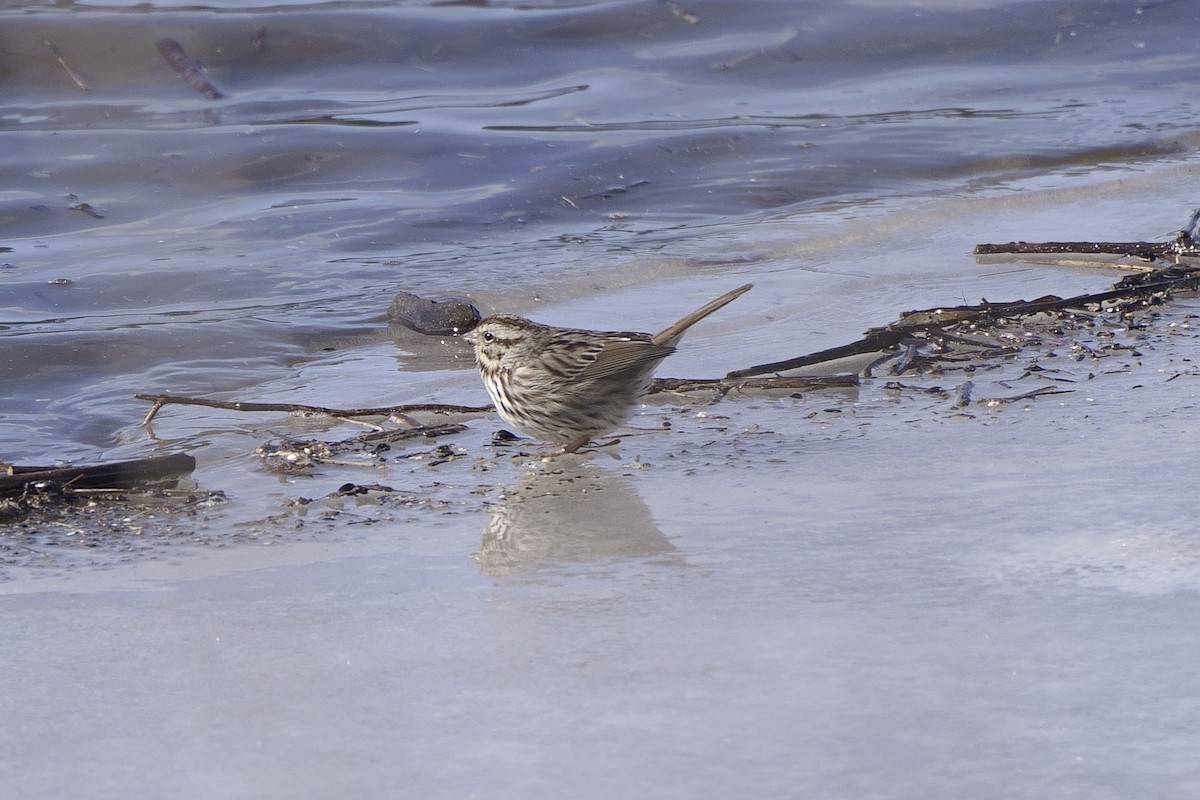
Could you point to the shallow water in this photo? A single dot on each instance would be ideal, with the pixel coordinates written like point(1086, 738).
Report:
point(849, 593)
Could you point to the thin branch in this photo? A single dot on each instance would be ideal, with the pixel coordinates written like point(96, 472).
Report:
point(192, 72)
point(1144, 250)
point(1042, 392)
point(62, 62)
point(1185, 244)
point(301, 454)
point(932, 322)
point(876, 340)
point(773, 382)
point(160, 400)
point(403, 434)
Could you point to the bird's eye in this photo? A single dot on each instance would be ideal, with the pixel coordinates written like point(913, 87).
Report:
point(489, 337)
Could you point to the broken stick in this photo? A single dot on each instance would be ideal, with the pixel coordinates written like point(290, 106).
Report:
point(113, 475)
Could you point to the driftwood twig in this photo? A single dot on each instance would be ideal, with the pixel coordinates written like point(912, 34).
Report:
point(771, 382)
point(192, 72)
point(299, 454)
point(933, 322)
point(1186, 244)
point(1144, 250)
point(1040, 392)
point(160, 400)
point(62, 62)
point(113, 475)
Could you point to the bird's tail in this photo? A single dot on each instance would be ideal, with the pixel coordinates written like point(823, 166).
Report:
point(670, 335)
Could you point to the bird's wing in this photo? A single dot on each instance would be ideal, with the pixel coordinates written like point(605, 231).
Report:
point(622, 355)
point(568, 355)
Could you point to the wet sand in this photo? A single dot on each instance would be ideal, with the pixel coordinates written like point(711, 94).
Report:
point(866, 591)
point(873, 595)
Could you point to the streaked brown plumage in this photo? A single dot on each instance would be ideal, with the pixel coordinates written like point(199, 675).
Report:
point(566, 385)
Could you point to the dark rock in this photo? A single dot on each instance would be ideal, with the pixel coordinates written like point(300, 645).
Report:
point(444, 317)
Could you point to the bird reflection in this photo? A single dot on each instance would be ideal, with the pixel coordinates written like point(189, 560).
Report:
point(567, 516)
